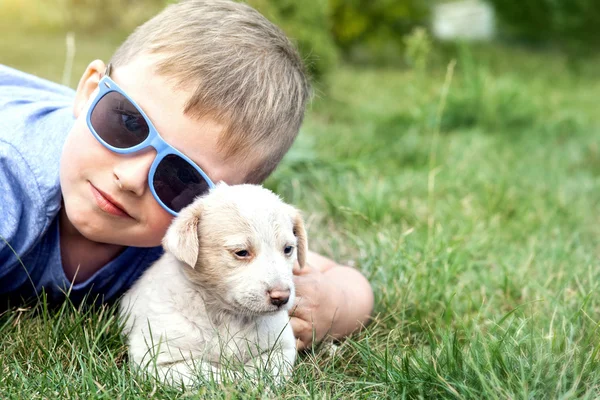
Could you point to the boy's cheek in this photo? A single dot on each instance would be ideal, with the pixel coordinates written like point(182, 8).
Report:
point(79, 145)
point(73, 160)
point(156, 225)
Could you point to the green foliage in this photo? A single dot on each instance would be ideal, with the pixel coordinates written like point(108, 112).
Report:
point(571, 23)
point(481, 99)
point(418, 49)
point(80, 15)
point(308, 24)
point(87, 15)
point(367, 30)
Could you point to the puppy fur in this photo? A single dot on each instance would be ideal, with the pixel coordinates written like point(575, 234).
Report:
point(211, 300)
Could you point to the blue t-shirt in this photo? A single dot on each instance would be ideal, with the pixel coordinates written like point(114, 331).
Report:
point(35, 117)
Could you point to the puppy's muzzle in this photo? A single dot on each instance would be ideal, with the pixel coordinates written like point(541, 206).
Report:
point(279, 297)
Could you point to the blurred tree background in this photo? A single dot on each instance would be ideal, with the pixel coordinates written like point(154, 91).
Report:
point(568, 24)
point(327, 31)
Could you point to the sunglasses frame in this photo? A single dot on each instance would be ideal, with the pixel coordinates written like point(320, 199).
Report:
point(163, 149)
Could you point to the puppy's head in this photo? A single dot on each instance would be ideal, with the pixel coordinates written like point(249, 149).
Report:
point(240, 244)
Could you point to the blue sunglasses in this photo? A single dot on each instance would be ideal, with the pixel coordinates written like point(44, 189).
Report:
point(121, 126)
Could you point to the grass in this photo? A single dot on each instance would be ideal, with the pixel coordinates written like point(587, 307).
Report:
point(479, 233)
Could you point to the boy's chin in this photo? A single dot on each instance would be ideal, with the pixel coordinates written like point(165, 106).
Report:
point(101, 233)
point(121, 239)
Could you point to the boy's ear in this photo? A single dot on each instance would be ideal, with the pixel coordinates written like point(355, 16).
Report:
point(87, 84)
point(182, 238)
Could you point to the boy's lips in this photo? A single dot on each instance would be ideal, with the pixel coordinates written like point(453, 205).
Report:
point(106, 203)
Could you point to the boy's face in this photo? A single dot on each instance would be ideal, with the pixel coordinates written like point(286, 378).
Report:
point(97, 182)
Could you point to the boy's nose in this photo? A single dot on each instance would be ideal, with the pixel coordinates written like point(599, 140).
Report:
point(131, 172)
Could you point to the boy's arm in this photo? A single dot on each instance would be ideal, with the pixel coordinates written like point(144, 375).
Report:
point(331, 300)
point(17, 217)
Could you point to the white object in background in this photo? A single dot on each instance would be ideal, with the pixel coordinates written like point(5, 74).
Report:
point(464, 20)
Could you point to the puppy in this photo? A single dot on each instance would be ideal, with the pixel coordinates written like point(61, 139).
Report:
point(220, 294)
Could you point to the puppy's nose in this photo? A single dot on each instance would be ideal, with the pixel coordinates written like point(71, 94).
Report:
point(279, 297)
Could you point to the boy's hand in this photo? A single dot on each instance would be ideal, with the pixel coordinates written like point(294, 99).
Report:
point(314, 310)
point(331, 300)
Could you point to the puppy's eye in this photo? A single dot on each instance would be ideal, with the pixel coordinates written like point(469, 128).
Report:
point(242, 253)
point(288, 250)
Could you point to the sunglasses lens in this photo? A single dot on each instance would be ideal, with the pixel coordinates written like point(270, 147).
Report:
point(177, 183)
point(118, 122)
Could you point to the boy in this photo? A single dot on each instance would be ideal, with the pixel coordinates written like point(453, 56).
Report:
point(88, 187)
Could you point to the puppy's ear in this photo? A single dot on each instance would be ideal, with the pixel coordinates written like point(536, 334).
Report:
point(300, 233)
point(181, 238)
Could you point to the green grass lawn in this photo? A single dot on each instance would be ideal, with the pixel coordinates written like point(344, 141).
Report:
point(478, 231)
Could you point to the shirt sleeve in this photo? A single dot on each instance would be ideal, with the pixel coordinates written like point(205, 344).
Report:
point(21, 220)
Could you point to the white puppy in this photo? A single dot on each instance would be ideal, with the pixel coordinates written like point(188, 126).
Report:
point(222, 290)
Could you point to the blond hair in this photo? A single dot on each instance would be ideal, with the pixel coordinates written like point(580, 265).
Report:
point(242, 71)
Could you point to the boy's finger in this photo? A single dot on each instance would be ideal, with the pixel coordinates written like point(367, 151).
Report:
point(294, 322)
point(307, 269)
point(298, 312)
point(300, 282)
point(299, 328)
